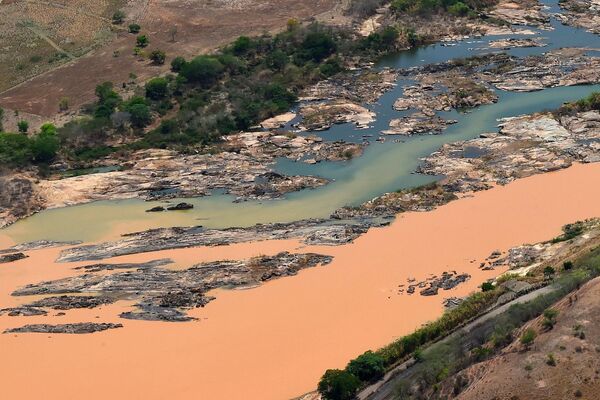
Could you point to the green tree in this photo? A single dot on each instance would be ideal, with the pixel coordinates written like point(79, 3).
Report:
point(177, 63)
point(241, 45)
point(134, 28)
point(108, 100)
point(487, 286)
point(368, 367)
point(15, 149)
point(338, 385)
point(277, 60)
point(23, 126)
point(45, 145)
point(139, 112)
point(158, 57)
point(157, 88)
point(142, 41)
point(568, 265)
point(204, 70)
point(459, 9)
point(318, 46)
point(118, 17)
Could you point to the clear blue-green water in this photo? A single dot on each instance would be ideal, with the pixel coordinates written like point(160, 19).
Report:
point(382, 168)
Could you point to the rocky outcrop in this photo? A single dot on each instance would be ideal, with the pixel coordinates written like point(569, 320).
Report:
point(79, 328)
point(525, 146)
point(581, 13)
point(18, 197)
point(7, 258)
point(321, 232)
point(165, 294)
point(321, 116)
point(510, 43)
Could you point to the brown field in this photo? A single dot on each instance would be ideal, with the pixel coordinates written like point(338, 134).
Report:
point(38, 36)
point(200, 25)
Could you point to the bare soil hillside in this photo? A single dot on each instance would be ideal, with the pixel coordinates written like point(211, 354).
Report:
point(179, 27)
point(573, 344)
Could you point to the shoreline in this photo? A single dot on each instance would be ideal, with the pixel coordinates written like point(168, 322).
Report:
point(274, 322)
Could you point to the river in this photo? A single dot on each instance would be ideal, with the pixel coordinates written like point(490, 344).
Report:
point(382, 168)
point(274, 341)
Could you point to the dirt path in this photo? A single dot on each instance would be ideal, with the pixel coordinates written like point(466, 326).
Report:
point(44, 37)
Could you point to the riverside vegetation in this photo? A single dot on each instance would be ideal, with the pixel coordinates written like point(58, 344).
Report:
point(228, 91)
point(436, 361)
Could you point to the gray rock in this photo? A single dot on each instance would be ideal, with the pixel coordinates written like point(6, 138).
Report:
point(78, 328)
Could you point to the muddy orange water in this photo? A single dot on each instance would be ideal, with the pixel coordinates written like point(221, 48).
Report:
point(274, 341)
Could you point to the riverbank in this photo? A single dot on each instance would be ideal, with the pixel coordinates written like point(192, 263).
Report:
point(268, 329)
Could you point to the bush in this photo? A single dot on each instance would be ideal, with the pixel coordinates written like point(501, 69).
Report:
point(23, 126)
point(118, 17)
point(241, 45)
point(568, 265)
point(487, 286)
point(338, 385)
point(459, 9)
point(528, 337)
point(157, 88)
point(158, 57)
point(549, 272)
point(549, 318)
point(368, 367)
point(142, 41)
point(15, 149)
point(134, 28)
point(177, 63)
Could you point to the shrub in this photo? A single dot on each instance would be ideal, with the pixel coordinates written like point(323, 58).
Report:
point(568, 265)
point(368, 367)
point(134, 28)
point(63, 104)
point(549, 272)
point(528, 337)
point(241, 45)
point(459, 9)
point(487, 286)
point(15, 149)
point(118, 17)
point(158, 57)
point(177, 63)
point(338, 385)
point(550, 360)
point(550, 315)
point(142, 41)
point(23, 126)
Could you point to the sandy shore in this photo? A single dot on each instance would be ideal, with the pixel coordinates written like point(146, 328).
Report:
point(274, 341)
